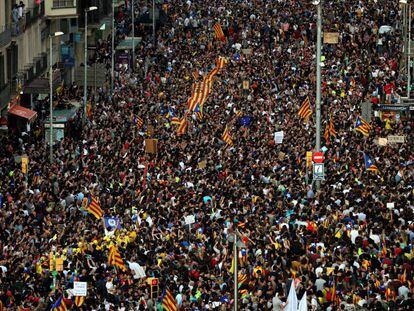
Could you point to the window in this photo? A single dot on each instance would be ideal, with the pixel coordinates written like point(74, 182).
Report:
point(64, 4)
point(73, 22)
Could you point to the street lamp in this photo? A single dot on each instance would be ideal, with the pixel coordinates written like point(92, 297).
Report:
point(85, 82)
point(113, 46)
point(318, 4)
point(133, 35)
point(153, 22)
point(56, 34)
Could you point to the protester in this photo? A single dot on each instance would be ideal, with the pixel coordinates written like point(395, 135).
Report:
point(348, 245)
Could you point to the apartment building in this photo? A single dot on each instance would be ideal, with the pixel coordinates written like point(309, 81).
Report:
point(24, 43)
point(22, 46)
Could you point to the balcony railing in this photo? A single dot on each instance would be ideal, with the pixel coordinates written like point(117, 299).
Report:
point(30, 16)
point(19, 27)
point(5, 35)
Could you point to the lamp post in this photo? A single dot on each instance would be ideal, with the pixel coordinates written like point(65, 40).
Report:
point(113, 46)
point(85, 81)
point(235, 272)
point(318, 4)
point(406, 12)
point(409, 52)
point(153, 22)
point(56, 34)
point(133, 35)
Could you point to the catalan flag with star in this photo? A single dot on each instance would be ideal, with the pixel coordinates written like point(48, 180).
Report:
point(369, 165)
point(362, 126)
point(59, 305)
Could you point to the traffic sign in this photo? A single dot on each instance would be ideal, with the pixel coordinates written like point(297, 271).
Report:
point(318, 171)
point(318, 157)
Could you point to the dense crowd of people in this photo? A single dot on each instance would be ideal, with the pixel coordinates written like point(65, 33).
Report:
point(348, 245)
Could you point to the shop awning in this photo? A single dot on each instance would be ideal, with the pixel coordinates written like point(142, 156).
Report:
point(23, 112)
point(127, 43)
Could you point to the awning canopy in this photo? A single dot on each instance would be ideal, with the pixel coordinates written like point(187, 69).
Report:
point(41, 85)
point(127, 43)
point(23, 112)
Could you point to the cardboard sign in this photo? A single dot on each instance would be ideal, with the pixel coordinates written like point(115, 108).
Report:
point(309, 159)
point(150, 130)
point(151, 145)
point(382, 141)
point(245, 85)
point(59, 264)
point(80, 288)
point(202, 164)
point(247, 51)
point(392, 139)
point(390, 205)
point(25, 165)
point(189, 220)
point(278, 137)
point(331, 37)
point(281, 156)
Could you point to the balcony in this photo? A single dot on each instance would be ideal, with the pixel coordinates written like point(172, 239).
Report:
point(30, 16)
point(5, 35)
point(60, 8)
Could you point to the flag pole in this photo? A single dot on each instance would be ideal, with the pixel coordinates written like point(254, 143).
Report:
point(235, 270)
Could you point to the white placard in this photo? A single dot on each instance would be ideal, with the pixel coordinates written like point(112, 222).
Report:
point(390, 205)
point(279, 137)
point(395, 139)
point(80, 288)
point(189, 220)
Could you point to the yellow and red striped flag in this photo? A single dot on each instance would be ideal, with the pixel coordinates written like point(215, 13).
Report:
point(175, 120)
point(218, 31)
point(115, 258)
point(221, 62)
point(305, 110)
point(139, 122)
point(241, 279)
point(330, 130)
point(195, 75)
point(94, 208)
point(193, 100)
point(79, 300)
point(182, 128)
point(168, 301)
point(403, 277)
point(227, 137)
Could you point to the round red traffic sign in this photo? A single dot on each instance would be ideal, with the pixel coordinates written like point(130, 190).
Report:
point(318, 157)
